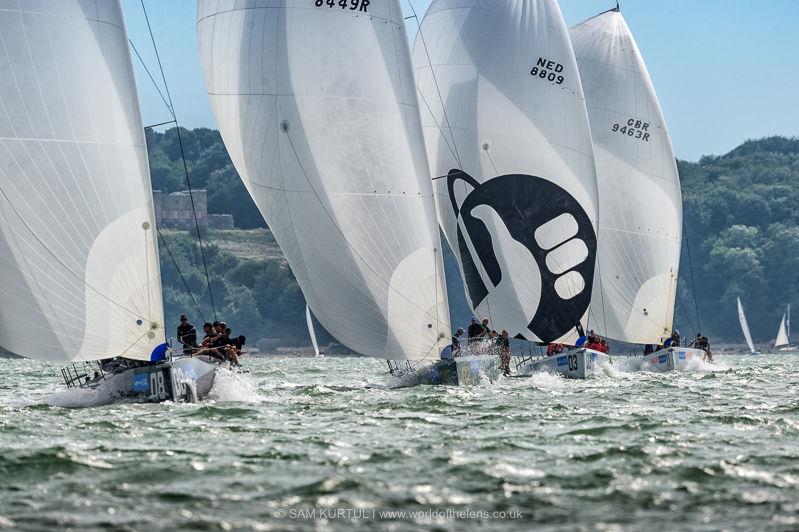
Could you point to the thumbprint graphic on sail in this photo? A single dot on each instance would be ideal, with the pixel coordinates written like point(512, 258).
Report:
point(527, 250)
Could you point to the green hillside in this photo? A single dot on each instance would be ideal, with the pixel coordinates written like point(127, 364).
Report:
point(741, 219)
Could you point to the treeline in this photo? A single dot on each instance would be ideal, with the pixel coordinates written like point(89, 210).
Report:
point(257, 298)
point(740, 211)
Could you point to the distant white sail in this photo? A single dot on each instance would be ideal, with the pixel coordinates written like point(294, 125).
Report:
point(509, 143)
point(311, 331)
point(316, 104)
point(79, 271)
point(745, 327)
point(640, 215)
point(782, 336)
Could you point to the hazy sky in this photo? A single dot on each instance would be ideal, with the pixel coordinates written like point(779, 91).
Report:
point(724, 70)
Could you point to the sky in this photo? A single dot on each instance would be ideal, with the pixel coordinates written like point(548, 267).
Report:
point(724, 70)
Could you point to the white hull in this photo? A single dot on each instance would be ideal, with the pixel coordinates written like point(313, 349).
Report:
point(671, 358)
point(184, 379)
point(576, 364)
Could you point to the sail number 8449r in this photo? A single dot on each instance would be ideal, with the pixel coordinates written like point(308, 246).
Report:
point(360, 5)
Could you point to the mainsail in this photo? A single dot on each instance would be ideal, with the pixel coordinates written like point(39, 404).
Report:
point(316, 104)
point(640, 216)
point(507, 133)
point(79, 264)
point(782, 335)
point(745, 327)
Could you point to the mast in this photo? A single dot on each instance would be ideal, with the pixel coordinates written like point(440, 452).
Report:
point(317, 109)
point(78, 252)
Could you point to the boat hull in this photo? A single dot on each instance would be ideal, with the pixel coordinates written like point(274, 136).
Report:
point(576, 364)
point(182, 379)
point(671, 359)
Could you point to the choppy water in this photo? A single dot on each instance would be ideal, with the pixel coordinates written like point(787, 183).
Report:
point(297, 438)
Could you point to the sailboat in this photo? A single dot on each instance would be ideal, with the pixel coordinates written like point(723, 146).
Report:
point(312, 332)
point(745, 329)
point(783, 340)
point(509, 143)
point(78, 252)
point(640, 216)
point(318, 111)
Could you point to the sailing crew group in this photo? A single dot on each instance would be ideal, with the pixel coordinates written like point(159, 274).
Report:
point(217, 342)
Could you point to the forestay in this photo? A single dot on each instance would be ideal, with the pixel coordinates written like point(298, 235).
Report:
point(745, 327)
point(640, 215)
point(508, 138)
point(316, 104)
point(79, 273)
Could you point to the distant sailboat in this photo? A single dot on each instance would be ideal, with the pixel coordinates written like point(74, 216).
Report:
point(783, 340)
point(317, 109)
point(78, 251)
point(640, 219)
point(312, 332)
point(745, 329)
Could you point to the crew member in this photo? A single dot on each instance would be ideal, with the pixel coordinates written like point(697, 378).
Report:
point(475, 331)
point(187, 336)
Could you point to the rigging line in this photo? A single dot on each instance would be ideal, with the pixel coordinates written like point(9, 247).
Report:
point(157, 88)
point(438, 126)
point(159, 124)
point(435, 82)
point(691, 269)
point(180, 273)
point(196, 222)
point(171, 109)
point(64, 265)
point(157, 57)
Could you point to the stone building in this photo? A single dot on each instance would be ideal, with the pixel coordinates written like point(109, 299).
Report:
point(173, 211)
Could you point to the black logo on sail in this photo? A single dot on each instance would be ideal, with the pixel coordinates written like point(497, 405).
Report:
point(548, 236)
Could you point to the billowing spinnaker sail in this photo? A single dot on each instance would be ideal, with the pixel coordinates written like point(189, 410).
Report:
point(79, 272)
point(745, 327)
point(782, 335)
point(640, 214)
point(316, 104)
point(510, 148)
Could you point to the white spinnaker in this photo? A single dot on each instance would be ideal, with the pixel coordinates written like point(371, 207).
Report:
point(79, 272)
point(745, 327)
point(640, 215)
point(782, 335)
point(509, 144)
point(318, 111)
point(311, 331)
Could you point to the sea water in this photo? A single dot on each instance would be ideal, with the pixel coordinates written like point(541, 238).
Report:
point(330, 443)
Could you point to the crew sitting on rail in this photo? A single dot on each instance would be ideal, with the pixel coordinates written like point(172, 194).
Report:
point(475, 331)
point(701, 342)
point(187, 336)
